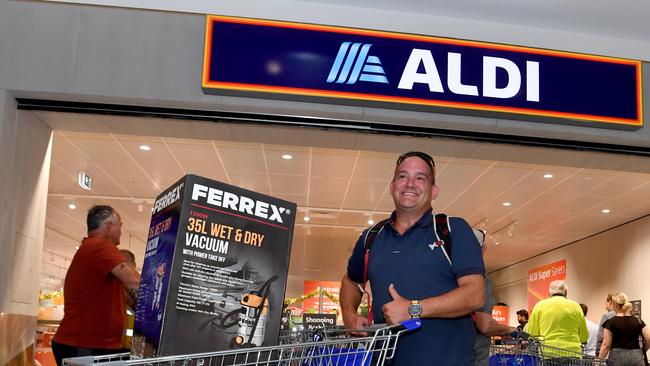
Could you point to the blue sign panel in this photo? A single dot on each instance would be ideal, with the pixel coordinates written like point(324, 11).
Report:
point(322, 61)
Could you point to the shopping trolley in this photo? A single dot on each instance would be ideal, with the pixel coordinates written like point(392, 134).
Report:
point(373, 349)
point(525, 350)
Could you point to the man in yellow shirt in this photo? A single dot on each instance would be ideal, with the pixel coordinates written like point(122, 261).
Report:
point(560, 322)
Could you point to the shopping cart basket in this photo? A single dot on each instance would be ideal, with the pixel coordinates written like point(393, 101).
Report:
point(374, 349)
point(526, 350)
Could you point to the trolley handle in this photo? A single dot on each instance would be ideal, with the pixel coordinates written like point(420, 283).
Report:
point(520, 334)
point(409, 325)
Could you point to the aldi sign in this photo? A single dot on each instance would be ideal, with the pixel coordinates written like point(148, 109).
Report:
point(393, 69)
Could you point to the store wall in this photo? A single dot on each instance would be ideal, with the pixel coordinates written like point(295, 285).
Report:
point(154, 58)
point(612, 261)
point(25, 149)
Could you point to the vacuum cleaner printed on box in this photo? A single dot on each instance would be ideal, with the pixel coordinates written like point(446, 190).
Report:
point(222, 283)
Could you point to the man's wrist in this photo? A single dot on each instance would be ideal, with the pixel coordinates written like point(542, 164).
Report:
point(415, 309)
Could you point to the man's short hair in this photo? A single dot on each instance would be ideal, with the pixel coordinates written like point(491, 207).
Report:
point(610, 295)
point(424, 156)
point(585, 309)
point(557, 287)
point(523, 312)
point(97, 215)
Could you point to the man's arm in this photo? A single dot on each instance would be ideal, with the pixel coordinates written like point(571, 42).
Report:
point(599, 336)
point(532, 327)
point(584, 332)
point(128, 275)
point(486, 324)
point(350, 298)
point(469, 296)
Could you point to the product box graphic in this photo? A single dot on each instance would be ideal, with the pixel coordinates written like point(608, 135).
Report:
point(215, 269)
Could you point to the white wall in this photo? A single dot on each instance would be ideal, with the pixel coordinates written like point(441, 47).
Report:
point(25, 151)
point(615, 260)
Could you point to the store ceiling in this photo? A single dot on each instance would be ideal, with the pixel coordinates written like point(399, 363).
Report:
point(341, 187)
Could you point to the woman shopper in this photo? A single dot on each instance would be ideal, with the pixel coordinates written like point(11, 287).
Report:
point(621, 335)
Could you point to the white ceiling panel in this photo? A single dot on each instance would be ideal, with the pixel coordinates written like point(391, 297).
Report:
point(580, 182)
point(196, 156)
point(242, 157)
point(331, 191)
point(618, 185)
point(374, 166)
point(297, 165)
point(253, 181)
point(333, 163)
point(292, 184)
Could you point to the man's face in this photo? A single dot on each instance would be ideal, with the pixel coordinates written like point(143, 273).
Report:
point(412, 187)
point(521, 319)
point(114, 227)
point(609, 305)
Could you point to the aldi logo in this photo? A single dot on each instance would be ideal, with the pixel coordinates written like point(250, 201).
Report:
point(353, 63)
point(403, 70)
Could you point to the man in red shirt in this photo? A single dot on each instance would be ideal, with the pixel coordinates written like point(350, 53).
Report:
point(94, 306)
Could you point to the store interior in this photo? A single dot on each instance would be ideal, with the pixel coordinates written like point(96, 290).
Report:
point(530, 200)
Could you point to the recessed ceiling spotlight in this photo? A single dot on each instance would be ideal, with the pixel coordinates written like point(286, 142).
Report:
point(72, 206)
point(287, 157)
point(548, 175)
point(76, 247)
point(145, 147)
point(371, 222)
point(306, 218)
point(605, 211)
point(506, 204)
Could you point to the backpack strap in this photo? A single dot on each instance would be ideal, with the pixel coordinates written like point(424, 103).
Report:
point(442, 230)
point(371, 234)
point(443, 234)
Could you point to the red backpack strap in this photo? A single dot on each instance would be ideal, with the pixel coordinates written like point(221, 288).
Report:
point(443, 234)
point(371, 234)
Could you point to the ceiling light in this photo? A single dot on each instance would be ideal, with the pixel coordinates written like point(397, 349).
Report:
point(605, 211)
point(506, 204)
point(287, 157)
point(76, 247)
point(72, 206)
point(548, 175)
point(306, 218)
point(145, 147)
point(371, 222)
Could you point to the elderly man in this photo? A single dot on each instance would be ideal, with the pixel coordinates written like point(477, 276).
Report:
point(559, 320)
point(94, 291)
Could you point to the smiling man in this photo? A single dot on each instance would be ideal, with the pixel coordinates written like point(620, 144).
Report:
point(410, 277)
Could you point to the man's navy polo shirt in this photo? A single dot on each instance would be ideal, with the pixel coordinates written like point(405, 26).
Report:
point(418, 272)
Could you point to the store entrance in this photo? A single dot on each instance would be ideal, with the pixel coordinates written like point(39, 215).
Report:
point(529, 199)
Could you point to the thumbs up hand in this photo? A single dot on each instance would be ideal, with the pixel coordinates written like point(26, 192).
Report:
point(397, 310)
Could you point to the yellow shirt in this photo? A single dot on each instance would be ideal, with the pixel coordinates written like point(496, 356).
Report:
point(561, 324)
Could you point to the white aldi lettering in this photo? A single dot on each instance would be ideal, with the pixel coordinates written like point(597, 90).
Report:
point(431, 76)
